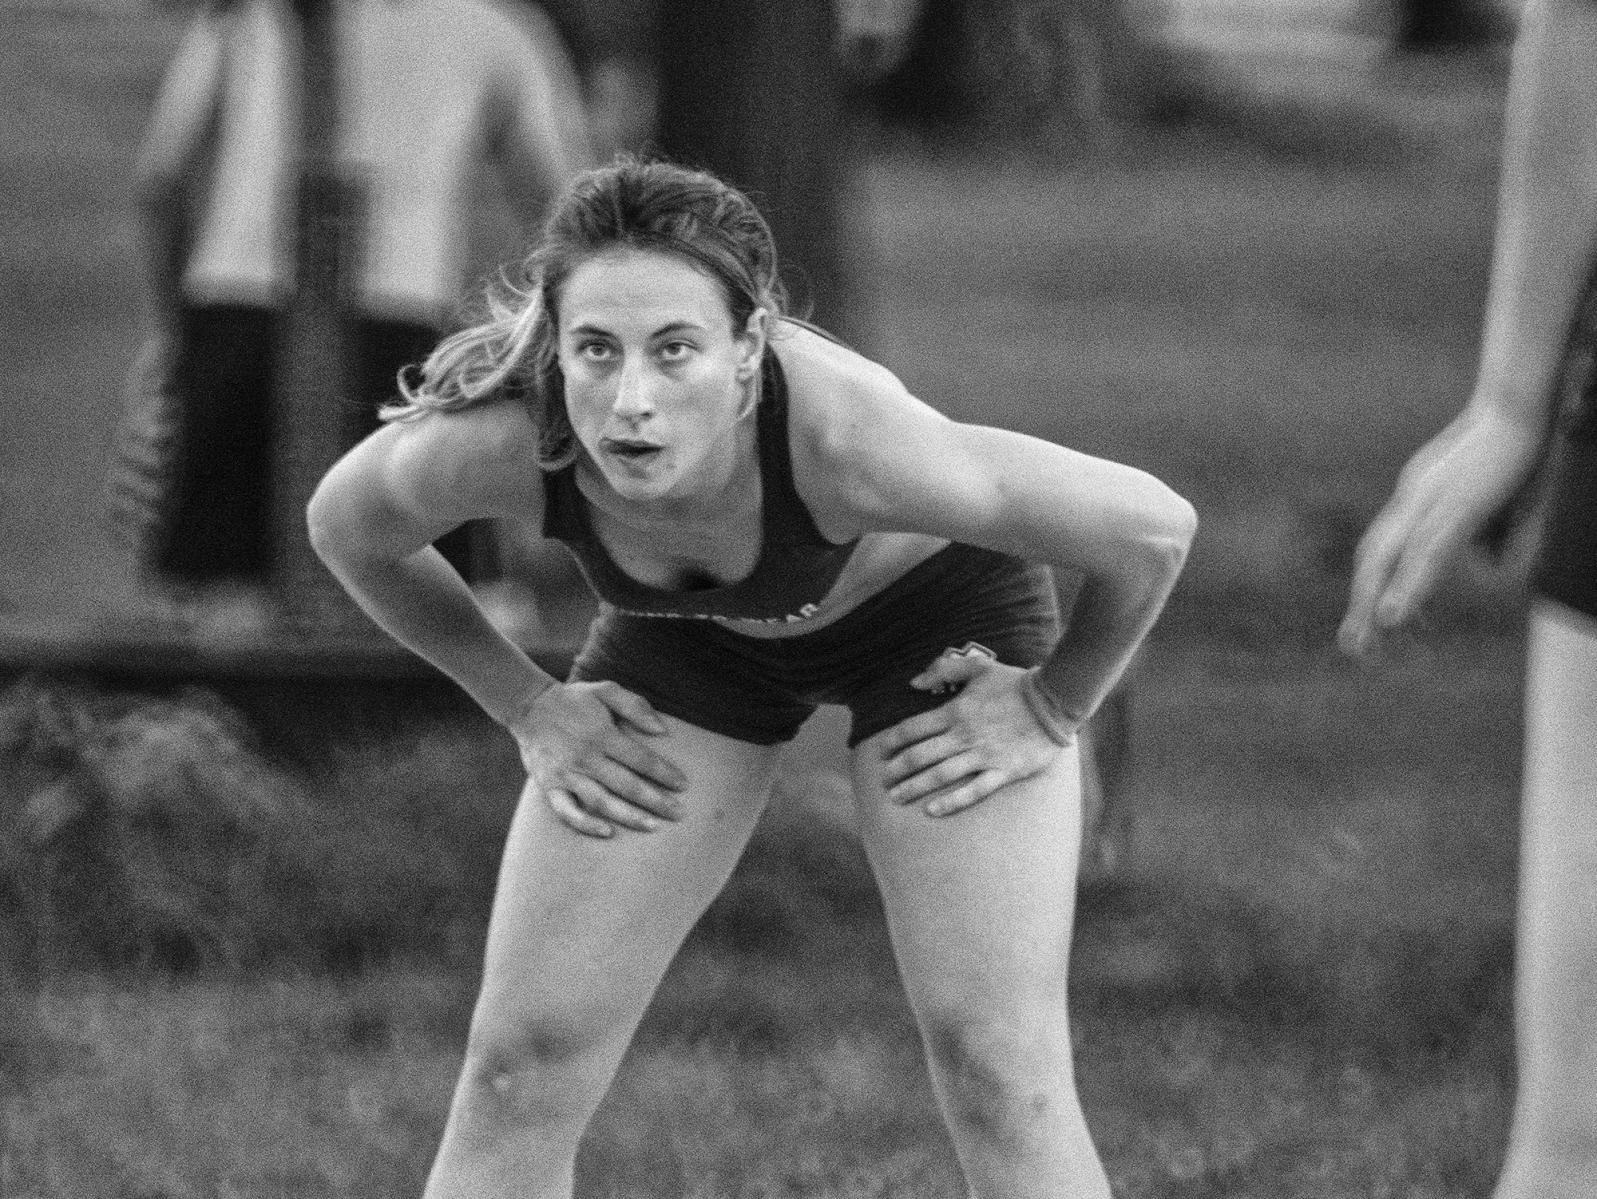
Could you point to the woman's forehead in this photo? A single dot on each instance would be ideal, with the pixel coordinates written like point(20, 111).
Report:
point(630, 284)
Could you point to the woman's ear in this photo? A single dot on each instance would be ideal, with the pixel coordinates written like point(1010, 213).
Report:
point(753, 339)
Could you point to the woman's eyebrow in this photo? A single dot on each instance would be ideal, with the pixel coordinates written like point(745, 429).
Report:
point(679, 326)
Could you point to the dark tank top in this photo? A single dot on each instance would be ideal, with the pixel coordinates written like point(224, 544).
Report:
point(796, 567)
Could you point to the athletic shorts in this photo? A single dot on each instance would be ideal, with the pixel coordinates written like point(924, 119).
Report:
point(1566, 567)
point(761, 690)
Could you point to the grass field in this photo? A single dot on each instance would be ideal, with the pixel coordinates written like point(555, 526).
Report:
point(1295, 987)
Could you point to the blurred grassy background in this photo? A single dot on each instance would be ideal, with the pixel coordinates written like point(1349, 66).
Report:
point(241, 924)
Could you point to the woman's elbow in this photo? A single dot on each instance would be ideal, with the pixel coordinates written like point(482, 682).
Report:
point(356, 528)
point(1182, 520)
point(1167, 536)
point(334, 523)
point(322, 524)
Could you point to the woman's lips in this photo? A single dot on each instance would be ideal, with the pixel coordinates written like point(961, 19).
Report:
point(632, 451)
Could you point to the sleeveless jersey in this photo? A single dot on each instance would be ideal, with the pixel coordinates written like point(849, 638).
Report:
point(796, 567)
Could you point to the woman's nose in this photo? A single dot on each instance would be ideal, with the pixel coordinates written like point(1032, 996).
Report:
point(634, 396)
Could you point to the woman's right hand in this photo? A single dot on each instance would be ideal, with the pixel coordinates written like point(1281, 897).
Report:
point(1446, 493)
point(582, 744)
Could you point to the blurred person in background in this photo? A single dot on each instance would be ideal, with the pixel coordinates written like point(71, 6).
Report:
point(772, 522)
point(1535, 382)
point(426, 92)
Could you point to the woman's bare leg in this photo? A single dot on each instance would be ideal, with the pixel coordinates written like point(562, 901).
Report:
point(581, 934)
point(1553, 1145)
point(980, 907)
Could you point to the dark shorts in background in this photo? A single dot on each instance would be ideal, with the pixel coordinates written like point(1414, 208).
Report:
point(762, 689)
point(220, 522)
point(1566, 568)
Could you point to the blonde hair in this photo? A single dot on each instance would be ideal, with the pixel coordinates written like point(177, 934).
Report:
point(511, 351)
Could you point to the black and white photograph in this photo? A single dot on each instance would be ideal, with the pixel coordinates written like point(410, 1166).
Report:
point(798, 599)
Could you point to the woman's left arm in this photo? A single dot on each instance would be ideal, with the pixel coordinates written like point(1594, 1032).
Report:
point(903, 466)
point(1124, 530)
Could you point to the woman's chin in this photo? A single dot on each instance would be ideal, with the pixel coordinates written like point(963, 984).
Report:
point(637, 477)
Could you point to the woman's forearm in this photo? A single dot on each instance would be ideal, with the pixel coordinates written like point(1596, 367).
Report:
point(423, 603)
point(1547, 208)
point(1111, 617)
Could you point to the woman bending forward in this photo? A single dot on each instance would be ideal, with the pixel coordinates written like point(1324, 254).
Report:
point(771, 522)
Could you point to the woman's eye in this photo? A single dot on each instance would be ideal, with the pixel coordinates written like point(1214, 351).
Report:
point(594, 351)
point(673, 351)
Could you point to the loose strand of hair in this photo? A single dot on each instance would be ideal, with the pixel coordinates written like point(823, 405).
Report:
point(474, 364)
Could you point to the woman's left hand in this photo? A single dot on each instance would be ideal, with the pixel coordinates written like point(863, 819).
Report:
point(960, 753)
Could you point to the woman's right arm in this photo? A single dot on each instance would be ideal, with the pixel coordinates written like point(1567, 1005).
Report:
point(1547, 215)
point(372, 521)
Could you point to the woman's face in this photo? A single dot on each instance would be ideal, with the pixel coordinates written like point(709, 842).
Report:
point(656, 377)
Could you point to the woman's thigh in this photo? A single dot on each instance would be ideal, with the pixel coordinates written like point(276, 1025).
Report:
point(583, 928)
point(980, 903)
point(1561, 699)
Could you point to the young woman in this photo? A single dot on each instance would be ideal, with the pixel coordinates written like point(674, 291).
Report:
point(1547, 220)
point(771, 522)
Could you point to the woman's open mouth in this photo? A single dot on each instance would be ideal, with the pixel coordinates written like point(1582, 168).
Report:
point(629, 450)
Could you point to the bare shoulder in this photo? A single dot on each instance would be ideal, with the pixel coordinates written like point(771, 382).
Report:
point(810, 357)
point(480, 461)
point(850, 420)
point(838, 396)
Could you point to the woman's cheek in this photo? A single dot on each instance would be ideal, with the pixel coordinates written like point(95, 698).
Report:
point(585, 404)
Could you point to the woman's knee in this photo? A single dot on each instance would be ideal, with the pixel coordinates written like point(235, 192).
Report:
point(1002, 1076)
point(534, 1073)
